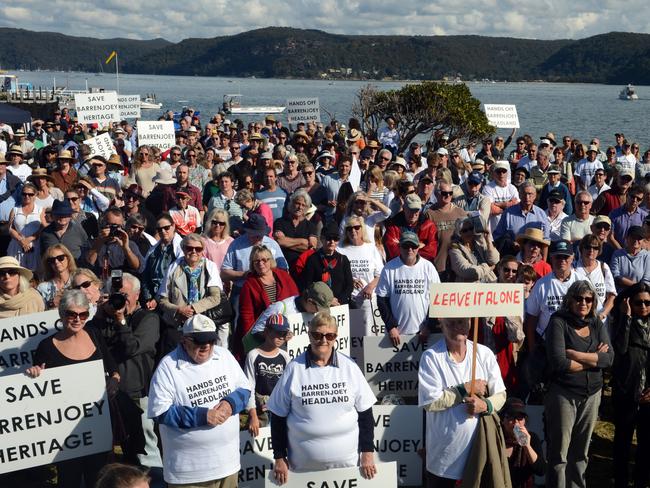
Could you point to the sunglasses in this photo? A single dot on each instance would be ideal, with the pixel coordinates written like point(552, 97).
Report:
point(351, 227)
point(446, 193)
point(196, 249)
point(591, 248)
point(581, 299)
point(69, 314)
point(200, 343)
point(332, 237)
point(465, 230)
point(318, 336)
point(554, 200)
point(603, 227)
point(641, 303)
point(84, 285)
point(261, 261)
point(28, 194)
point(307, 173)
point(219, 223)
point(74, 199)
point(583, 202)
point(10, 272)
point(280, 333)
point(500, 171)
point(60, 258)
point(164, 227)
point(510, 270)
point(137, 228)
point(636, 198)
point(408, 246)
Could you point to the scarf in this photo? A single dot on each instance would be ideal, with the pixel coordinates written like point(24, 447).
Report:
point(23, 303)
point(193, 276)
point(328, 265)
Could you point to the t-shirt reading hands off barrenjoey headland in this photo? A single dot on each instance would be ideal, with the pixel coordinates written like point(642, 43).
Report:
point(321, 406)
point(192, 454)
point(408, 289)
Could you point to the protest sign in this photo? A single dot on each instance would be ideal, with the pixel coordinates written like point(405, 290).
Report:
point(303, 110)
point(398, 437)
point(101, 145)
point(20, 336)
point(101, 108)
point(159, 133)
point(502, 116)
point(392, 369)
point(63, 414)
point(386, 477)
point(256, 457)
point(476, 300)
point(359, 329)
point(299, 323)
point(129, 106)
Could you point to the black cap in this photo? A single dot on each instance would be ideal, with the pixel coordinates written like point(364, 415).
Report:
point(513, 407)
point(635, 232)
point(561, 248)
point(330, 230)
point(555, 194)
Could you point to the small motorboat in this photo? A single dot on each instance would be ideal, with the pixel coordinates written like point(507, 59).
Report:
point(628, 93)
point(232, 105)
point(149, 103)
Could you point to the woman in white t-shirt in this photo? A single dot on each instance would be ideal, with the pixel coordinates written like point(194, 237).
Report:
point(365, 263)
point(597, 273)
point(452, 414)
point(322, 409)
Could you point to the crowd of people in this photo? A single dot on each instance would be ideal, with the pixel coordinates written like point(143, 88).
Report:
point(178, 268)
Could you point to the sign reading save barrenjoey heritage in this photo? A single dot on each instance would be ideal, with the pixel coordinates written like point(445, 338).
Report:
point(20, 336)
point(158, 133)
point(97, 108)
point(63, 414)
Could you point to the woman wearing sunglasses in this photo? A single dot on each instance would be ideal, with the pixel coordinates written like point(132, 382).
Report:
point(322, 409)
point(17, 297)
point(577, 351)
point(73, 344)
point(87, 282)
point(26, 221)
point(588, 267)
point(57, 268)
point(631, 384)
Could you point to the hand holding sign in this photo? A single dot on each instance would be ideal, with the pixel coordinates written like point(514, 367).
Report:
point(368, 468)
point(475, 405)
point(281, 471)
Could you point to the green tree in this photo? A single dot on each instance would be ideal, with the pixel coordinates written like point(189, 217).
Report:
point(424, 108)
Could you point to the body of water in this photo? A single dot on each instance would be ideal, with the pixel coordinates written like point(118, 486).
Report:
point(580, 110)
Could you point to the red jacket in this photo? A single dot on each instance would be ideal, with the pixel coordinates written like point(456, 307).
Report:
point(253, 300)
point(425, 229)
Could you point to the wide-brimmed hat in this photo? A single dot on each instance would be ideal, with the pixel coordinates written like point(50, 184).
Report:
point(61, 208)
point(353, 135)
point(9, 262)
point(514, 407)
point(256, 225)
point(256, 136)
point(3, 159)
point(269, 118)
point(39, 173)
point(551, 138)
point(372, 144)
point(164, 177)
point(15, 149)
point(532, 234)
point(200, 328)
point(115, 160)
point(19, 133)
point(65, 154)
point(325, 154)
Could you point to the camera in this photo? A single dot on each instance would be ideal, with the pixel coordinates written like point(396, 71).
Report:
point(113, 228)
point(117, 300)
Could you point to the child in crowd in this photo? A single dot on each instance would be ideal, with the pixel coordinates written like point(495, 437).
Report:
point(264, 366)
point(526, 274)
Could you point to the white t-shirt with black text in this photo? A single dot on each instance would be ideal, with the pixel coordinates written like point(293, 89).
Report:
point(546, 298)
point(365, 262)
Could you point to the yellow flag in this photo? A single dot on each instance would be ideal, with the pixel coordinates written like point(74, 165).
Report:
point(113, 54)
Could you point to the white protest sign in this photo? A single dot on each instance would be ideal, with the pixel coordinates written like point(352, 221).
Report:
point(101, 145)
point(386, 477)
point(398, 437)
point(63, 414)
point(129, 106)
point(20, 336)
point(299, 323)
point(394, 369)
point(102, 108)
point(256, 458)
point(359, 330)
point(303, 110)
point(159, 133)
point(502, 116)
point(476, 300)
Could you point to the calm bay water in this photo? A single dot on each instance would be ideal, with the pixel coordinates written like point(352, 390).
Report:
point(581, 110)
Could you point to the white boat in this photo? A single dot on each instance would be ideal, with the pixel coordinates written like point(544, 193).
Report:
point(149, 103)
point(232, 105)
point(628, 93)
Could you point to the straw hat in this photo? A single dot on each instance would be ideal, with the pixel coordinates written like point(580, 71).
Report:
point(15, 149)
point(9, 262)
point(115, 160)
point(2, 158)
point(532, 234)
point(354, 135)
point(40, 173)
point(65, 154)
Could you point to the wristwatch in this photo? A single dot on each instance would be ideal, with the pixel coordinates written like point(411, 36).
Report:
point(122, 322)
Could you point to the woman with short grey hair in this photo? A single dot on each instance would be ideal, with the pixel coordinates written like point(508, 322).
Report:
point(74, 344)
point(578, 349)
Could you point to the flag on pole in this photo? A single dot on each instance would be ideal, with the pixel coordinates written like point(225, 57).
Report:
point(112, 55)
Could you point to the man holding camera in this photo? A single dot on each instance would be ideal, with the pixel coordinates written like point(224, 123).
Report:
point(131, 334)
point(112, 249)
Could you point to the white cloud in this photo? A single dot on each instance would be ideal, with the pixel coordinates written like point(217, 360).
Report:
point(173, 20)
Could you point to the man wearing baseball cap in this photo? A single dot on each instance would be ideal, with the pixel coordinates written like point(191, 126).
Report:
point(474, 200)
point(196, 393)
point(403, 290)
point(410, 218)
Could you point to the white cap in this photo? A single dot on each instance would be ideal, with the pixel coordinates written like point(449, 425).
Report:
point(200, 327)
point(501, 165)
point(442, 151)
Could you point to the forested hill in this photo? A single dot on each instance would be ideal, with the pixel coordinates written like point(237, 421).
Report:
point(616, 57)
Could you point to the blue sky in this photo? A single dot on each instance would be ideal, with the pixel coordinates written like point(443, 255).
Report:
point(176, 20)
